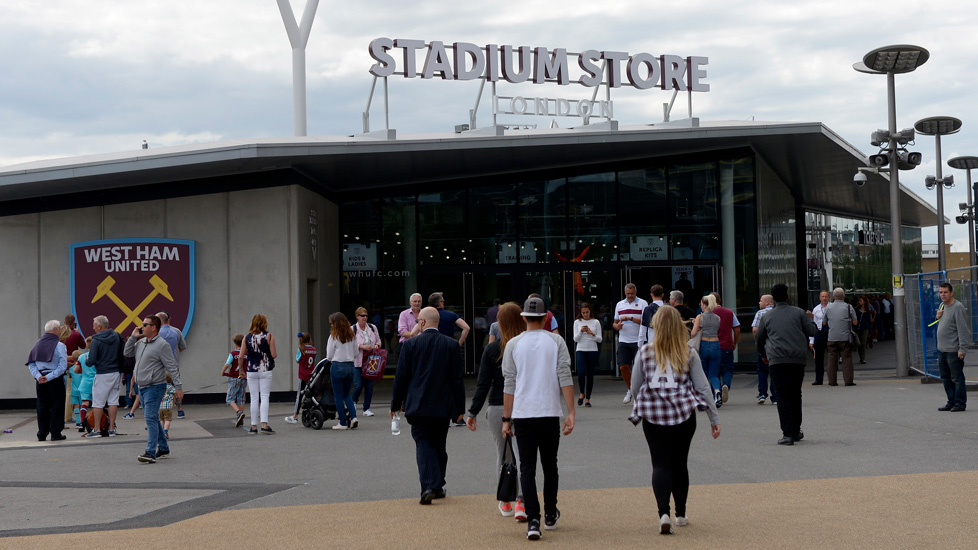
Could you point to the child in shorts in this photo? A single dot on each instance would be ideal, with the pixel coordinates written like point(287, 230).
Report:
point(166, 406)
point(305, 356)
point(236, 382)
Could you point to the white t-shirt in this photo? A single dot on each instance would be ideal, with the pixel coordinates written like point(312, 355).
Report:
point(629, 330)
point(536, 365)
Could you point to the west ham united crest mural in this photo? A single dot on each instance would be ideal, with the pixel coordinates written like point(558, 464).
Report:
point(128, 279)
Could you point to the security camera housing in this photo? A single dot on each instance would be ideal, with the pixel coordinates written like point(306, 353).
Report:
point(859, 179)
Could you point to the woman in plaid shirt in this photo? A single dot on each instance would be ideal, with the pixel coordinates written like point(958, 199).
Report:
point(669, 386)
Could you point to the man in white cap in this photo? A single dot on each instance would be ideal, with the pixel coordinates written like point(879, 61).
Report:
point(536, 369)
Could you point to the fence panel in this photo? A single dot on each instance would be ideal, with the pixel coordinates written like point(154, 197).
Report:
point(923, 300)
point(914, 323)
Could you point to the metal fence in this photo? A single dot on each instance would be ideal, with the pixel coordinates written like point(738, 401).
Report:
point(923, 300)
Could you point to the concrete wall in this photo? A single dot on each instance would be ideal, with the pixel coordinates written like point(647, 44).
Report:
point(254, 255)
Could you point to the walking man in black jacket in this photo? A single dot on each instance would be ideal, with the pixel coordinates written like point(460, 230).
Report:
point(428, 386)
point(782, 341)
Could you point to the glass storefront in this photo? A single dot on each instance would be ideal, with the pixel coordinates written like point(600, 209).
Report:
point(854, 255)
point(687, 225)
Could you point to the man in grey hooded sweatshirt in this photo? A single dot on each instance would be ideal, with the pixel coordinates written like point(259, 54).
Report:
point(782, 340)
point(154, 359)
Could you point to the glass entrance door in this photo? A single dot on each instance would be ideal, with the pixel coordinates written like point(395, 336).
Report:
point(475, 295)
point(692, 280)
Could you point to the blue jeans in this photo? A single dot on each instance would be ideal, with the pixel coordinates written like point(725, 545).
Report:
point(762, 376)
point(726, 366)
point(361, 384)
point(710, 357)
point(952, 374)
point(341, 374)
point(151, 396)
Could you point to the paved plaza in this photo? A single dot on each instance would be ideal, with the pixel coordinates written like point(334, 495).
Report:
point(879, 467)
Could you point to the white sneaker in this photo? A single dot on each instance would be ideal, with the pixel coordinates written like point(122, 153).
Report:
point(628, 398)
point(682, 521)
point(724, 393)
point(368, 412)
point(338, 427)
point(291, 420)
point(354, 423)
point(665, 525)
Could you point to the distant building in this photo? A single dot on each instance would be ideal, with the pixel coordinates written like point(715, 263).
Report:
point(952, 260)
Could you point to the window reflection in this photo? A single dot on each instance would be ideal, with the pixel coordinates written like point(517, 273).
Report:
point(643, 206)
point(591, 214)
point(543, 228)
point(493, 226)
point(443, 229)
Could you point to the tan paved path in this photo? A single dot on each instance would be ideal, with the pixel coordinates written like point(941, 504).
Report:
point(893, 512)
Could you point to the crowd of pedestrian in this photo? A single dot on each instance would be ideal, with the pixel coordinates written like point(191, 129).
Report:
point(674, 361)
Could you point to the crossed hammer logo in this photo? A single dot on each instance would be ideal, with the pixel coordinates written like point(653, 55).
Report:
point(132, 315)
point(373, 364)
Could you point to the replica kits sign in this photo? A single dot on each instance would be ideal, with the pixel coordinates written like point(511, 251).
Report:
point(128, 279)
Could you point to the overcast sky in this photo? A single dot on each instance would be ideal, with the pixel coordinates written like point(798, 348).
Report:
point(81, 77)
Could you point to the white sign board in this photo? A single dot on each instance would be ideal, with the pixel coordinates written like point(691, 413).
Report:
point(360, 257)
point(510, 253)
point(648, 248)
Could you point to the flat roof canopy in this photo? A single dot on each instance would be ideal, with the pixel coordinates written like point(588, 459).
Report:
point(814, 162)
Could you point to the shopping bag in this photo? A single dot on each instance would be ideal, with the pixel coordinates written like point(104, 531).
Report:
point(374, 363)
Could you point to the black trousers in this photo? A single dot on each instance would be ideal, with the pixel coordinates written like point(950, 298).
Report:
point(789, 377)
point(430, 439)
point(538, 435)
point(50, 407)
point(821, 343)
point(669, 447)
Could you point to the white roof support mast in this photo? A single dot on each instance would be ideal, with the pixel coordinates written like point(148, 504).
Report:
point(298, 37)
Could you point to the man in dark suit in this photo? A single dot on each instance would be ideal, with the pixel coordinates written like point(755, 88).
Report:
point(428, 386)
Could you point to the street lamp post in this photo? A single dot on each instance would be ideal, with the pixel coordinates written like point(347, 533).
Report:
point(938, 126)
point(968, 164)
point(891, 60)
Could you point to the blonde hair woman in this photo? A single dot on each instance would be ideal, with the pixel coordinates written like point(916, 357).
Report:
point(669, 387)
point(257, 353)
point(709, 324)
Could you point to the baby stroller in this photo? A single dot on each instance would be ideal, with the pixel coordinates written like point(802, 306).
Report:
point(317, 403)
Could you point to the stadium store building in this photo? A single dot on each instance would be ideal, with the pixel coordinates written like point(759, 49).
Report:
point(299, 228)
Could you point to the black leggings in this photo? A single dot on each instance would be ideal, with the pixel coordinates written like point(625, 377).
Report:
point(587, 363)
point(669, 447)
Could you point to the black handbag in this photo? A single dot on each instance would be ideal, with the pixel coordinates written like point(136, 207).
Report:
point(507, 489)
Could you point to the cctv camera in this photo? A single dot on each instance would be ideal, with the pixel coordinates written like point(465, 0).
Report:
point(961, 219)
point(859, 179)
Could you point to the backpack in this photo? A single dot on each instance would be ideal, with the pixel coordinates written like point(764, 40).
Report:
point(654, 308)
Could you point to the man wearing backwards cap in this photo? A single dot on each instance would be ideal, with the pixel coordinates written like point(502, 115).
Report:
point(536, 368)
